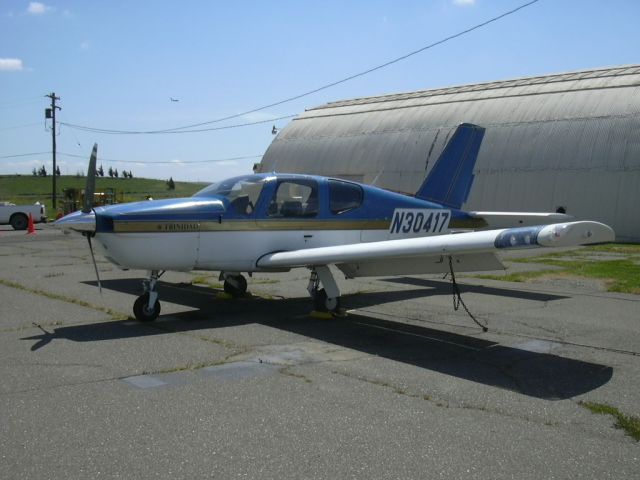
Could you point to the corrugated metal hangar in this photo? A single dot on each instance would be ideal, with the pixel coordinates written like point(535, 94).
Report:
point(570, 140)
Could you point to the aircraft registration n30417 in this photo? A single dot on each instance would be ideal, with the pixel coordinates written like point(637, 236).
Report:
point(274, 222)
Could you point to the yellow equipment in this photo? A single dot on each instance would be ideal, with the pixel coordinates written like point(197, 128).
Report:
point(74, 198)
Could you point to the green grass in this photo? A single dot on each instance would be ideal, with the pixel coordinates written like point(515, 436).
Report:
point(207, 280)
point(620, 273)
point(624, 248)
point(630, 424)
point(518, 276)
point(27, 189)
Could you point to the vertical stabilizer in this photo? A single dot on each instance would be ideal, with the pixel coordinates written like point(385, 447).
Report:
point(450, 179)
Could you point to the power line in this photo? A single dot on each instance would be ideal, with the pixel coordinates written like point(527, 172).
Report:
point(185, 128)
point(26, 154)
point(164, 162)
point(155, 132)
point(159, 162)
point(20, 126)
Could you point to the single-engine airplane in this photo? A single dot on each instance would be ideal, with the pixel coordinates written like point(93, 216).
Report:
point(274, 222)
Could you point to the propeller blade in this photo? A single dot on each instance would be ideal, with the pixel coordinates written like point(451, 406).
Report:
point(90, 187)
point(95, 265)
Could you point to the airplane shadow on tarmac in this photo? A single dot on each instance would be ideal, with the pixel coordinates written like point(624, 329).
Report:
point(541, 375)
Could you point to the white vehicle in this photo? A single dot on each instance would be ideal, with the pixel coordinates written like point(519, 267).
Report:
point(18, 215)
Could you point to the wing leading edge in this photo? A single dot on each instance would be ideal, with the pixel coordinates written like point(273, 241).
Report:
point(473, 246)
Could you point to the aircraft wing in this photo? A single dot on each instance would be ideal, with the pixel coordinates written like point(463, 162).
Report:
point(519, 219)
point(474, 245)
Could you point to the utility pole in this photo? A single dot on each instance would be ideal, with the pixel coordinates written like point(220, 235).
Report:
point(51, 113)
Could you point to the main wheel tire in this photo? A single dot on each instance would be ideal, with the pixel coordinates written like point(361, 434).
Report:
point(19, 221)
point(236, 290)
point(142, 311)
point(323, 303)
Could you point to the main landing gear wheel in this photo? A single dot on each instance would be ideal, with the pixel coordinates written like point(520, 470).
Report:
point(142, 311)
point(235, 285)
point(323, 303)
point(326, 299)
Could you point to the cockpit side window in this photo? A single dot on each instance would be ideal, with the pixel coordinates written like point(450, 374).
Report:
point(294, 199)
point(344, 196)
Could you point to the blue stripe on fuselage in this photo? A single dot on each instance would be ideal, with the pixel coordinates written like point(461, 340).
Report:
point(377, 205)
point(177, 209)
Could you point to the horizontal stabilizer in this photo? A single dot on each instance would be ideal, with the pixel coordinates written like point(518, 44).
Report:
point(519, 219)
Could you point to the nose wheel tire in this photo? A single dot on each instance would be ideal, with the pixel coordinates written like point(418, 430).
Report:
point(235, 286)
point(142, 311)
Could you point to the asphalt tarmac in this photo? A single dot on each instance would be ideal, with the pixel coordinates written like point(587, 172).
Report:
point(402, 387)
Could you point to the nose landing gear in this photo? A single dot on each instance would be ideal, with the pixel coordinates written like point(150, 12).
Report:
point(147, 307)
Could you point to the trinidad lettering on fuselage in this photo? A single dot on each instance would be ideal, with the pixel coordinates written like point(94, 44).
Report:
point(274, 222)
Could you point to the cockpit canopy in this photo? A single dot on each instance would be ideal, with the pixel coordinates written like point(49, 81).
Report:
point(241, 193)
point(285, 196)
point(232, 188)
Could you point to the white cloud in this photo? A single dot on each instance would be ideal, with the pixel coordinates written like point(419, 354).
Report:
point(464, 3)
point(37, 8)
point(11, 65)
point(84, 46)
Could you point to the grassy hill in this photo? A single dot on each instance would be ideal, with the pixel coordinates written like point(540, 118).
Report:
point(26, 189)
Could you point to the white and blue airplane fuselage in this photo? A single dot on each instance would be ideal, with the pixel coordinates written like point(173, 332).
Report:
point(221, 228)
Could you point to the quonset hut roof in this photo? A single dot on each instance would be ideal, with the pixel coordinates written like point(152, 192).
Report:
point(570, 140)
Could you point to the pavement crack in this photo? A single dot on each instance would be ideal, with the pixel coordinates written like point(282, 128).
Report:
point(288, 371)
point(443, 403)
point(116, 315)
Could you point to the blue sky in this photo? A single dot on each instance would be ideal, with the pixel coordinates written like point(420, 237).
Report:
point(116, 64)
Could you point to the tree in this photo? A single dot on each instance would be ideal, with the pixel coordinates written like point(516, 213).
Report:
point(171, 184)
point(34, 172)
point(111, 172)
point(43, 171)
point(115, 173)
point(130, 174)
point(100, 172)
point(57, 171)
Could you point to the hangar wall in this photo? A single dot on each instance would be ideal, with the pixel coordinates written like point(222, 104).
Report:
point(570, 140)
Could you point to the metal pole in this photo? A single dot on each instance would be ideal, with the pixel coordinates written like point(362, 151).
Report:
point(53, 98)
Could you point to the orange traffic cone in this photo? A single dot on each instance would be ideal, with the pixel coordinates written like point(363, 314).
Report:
point(31, 229)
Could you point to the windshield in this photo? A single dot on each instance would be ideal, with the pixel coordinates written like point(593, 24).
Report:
point(243, 190)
